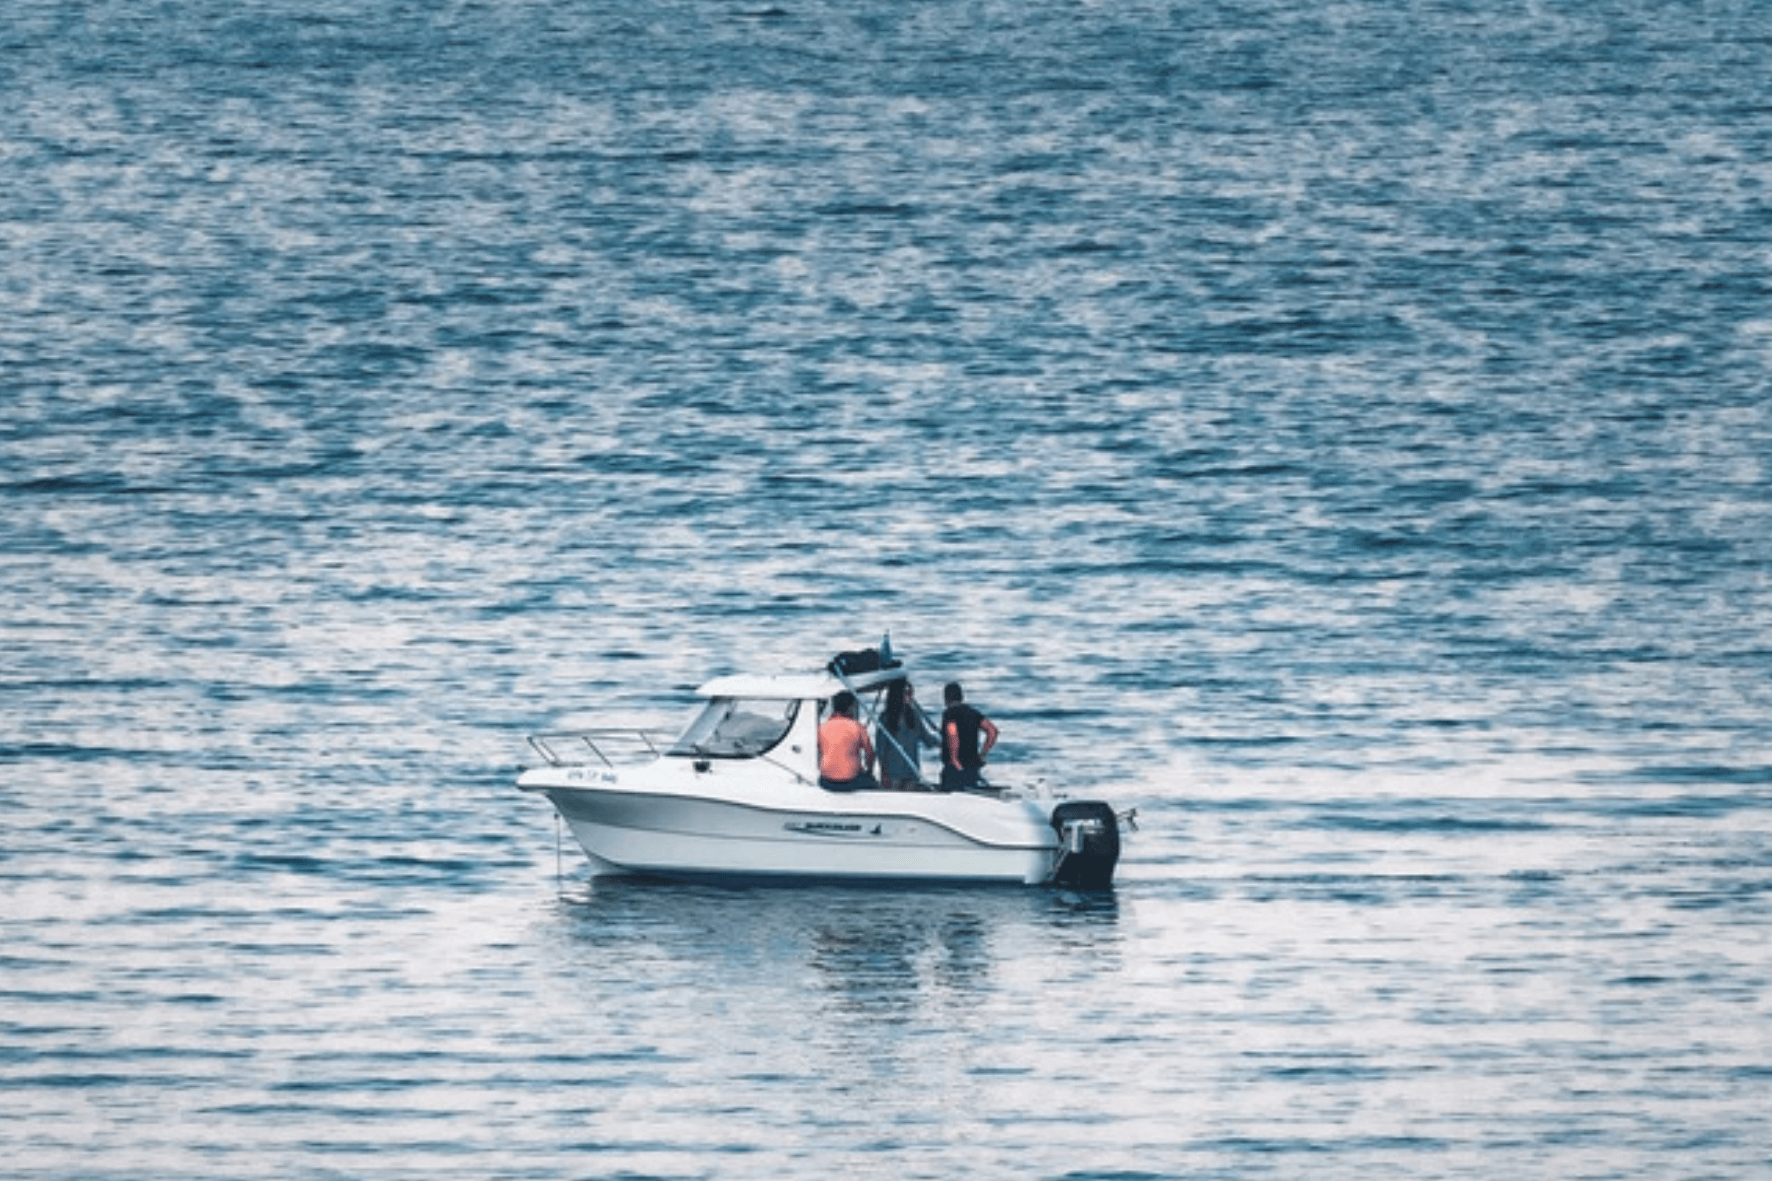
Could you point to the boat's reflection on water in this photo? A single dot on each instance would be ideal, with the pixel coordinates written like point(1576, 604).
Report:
point(876, 950)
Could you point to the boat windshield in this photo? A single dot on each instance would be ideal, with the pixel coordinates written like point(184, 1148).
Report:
point(736, 728)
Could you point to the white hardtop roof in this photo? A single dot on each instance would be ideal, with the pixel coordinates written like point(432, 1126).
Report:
point(804, 686)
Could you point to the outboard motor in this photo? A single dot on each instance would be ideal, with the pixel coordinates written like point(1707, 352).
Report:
point(1089, 844)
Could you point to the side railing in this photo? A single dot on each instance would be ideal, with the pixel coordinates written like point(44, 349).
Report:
point(608, 747)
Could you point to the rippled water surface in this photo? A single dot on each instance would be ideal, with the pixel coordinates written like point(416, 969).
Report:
point(1337, 430)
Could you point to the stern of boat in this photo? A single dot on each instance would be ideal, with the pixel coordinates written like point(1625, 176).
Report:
point(1089, 844)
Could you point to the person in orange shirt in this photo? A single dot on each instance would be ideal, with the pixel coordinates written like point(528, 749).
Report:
point(845, 754)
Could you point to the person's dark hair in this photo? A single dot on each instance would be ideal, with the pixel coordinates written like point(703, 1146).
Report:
point(895, 702)
point(952, 693)
point(844, 703)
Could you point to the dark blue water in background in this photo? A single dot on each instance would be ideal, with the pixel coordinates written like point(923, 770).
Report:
point(1339, 430)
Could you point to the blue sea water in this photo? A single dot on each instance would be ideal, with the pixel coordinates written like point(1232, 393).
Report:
point(1338, 430)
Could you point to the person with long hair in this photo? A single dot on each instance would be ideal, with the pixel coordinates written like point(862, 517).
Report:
point(900, 735)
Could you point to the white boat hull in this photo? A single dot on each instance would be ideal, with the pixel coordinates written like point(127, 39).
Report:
point(871, 836)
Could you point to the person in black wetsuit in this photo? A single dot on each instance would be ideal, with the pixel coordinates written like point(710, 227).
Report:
point(962, 758)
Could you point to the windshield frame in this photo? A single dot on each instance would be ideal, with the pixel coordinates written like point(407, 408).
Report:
point(736, 727)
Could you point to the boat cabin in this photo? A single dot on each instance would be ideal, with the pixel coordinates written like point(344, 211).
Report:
point(764, 720)
point(748, 717)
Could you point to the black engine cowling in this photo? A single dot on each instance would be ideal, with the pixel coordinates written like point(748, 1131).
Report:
point(1089, 844)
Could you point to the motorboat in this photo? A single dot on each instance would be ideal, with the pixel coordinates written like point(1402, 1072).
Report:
point(736, 796)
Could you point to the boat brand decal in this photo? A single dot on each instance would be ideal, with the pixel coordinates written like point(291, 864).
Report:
point(581, 775)
point(835, 828)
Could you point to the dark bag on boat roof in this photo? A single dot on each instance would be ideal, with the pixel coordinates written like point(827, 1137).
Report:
point(848, 664)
